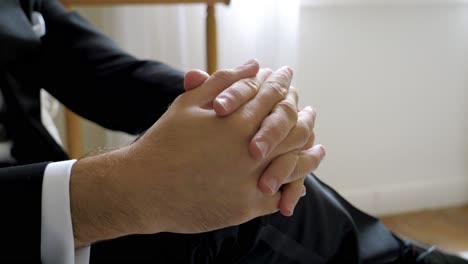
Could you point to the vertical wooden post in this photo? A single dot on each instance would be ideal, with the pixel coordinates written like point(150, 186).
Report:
point(211, 38)
point(74, 136)
point(72, 121)
point(73, 131)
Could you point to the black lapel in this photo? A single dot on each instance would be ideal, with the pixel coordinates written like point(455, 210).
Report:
point(17, 39)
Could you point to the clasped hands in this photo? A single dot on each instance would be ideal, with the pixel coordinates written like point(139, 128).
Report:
point(232, 148)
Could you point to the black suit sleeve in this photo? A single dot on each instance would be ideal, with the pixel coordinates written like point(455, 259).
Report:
point(20, 223)
point(88, 73)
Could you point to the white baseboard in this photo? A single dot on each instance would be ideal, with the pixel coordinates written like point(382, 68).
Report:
point(405, 197)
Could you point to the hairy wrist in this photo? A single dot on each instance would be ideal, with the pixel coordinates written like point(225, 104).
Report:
point(98, 207)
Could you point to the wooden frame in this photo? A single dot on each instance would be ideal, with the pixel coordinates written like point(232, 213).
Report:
point(72, 121)
point(131, 2)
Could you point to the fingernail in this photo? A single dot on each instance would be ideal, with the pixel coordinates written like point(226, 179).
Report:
point(223, 103)
point(263, 147)
point(272, 185)
point(322, 152)
point(250, 62)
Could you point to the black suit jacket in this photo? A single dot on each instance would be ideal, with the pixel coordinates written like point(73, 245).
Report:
point(85, 71)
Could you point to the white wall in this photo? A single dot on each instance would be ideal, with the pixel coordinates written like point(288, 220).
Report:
point(391, 86)
point(390, 82)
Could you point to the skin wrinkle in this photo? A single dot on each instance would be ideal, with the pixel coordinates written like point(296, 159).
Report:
point(162, 181)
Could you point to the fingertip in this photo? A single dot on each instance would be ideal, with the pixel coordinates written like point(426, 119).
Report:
point(194, 78)
point(187, 80)
point(286, 211)
point(271, 185)
point(317, 151)
point(264, 188)
point(257, 149)
point(288, 69)
point(255, 68)
point(267, 71)
point(221, 107)
point(254, 62)
point(311, 109)
point(314, 112)
point(252, 66)
point(322, 151)
point(251, 62)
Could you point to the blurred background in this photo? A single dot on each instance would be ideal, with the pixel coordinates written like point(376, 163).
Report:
point(389, 80)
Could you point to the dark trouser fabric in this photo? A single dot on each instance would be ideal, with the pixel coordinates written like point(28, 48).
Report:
point(325, 228)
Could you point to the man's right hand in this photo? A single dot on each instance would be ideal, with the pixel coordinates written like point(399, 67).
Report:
point(191, 172)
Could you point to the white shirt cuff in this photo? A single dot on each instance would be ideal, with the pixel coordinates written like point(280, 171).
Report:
point(57, 241)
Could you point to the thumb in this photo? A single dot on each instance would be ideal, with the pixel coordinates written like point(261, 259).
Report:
point(194, 78)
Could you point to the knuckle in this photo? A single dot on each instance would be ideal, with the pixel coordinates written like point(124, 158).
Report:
point(250, 85)
point(273, 133)
point(296, 154)
point(279, 87)
point(242, 90)
point(293, 155)
point(289, 108)
point(224, 74)
point(181, 99)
